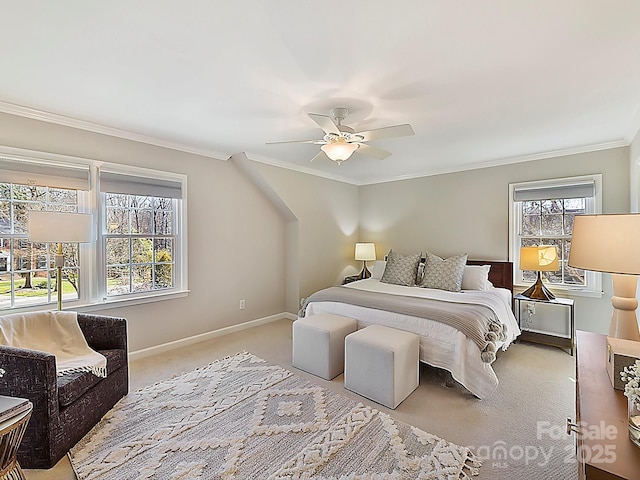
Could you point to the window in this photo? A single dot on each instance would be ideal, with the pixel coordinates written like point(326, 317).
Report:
point(26, 268)
point(140, 244)
point(139, 233)
point(542, 214)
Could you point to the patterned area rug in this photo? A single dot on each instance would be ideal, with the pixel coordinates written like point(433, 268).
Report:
point(243, 418)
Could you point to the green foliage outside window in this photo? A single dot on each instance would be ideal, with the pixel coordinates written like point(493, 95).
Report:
point(140, 243)
point(26, 275)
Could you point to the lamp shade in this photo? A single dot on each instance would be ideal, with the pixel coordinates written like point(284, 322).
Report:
point(610, 243)
point(60, 227)
point(365, 251)
point(606, 243)
point(339, 150)
point(541, 258)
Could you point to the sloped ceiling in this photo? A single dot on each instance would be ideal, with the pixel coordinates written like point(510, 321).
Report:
point(481, 82)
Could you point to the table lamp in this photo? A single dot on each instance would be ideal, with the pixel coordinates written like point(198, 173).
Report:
point(611, 244)
point(365, 252)
point(60, 227)
point(541, 258)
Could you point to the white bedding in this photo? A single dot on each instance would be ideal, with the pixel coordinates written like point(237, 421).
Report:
point(440, 345)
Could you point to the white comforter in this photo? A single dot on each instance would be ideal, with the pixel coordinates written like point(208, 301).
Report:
point(440, 345)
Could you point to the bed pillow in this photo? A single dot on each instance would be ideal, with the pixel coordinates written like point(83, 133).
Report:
point(444, 274)
point(378, 269)
point(400, 269)
point(476, 277)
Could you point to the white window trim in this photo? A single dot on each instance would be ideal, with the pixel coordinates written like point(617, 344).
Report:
point(92, 287)
point(181, 275)
point(595, 204)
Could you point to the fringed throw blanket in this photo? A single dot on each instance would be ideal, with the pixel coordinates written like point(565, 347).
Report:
point(477, 322)
point(57, 333)
point(242, 418)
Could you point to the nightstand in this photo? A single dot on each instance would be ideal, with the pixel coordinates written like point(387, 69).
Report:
point(547, 338)
point(350, 279)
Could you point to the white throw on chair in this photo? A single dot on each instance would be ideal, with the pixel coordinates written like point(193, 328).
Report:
point(381, 363)
point(318, 343)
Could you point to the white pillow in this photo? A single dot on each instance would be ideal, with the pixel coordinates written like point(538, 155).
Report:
point(476, 277)
point(378, 269)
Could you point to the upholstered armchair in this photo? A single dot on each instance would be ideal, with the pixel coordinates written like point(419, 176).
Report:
point(65, 408)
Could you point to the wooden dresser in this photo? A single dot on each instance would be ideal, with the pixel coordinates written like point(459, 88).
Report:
point(599, 408)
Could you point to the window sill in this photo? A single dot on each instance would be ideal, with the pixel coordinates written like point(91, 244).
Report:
point(93, 307)
point(129, 301)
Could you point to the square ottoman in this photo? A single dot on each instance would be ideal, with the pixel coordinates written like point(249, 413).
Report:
point(381, 363)
point(318, 343)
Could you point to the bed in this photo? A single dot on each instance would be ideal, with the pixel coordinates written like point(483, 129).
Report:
point(452, 342)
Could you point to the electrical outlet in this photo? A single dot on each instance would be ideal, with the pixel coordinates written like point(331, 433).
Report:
point(242, 304)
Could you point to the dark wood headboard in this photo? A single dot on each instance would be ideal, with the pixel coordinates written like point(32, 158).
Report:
point(500, 274)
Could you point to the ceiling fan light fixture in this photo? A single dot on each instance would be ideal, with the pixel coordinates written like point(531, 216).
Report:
point(339, 150)
point(340, 141)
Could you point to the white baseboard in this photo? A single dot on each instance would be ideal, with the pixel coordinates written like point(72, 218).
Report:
point(184, 342)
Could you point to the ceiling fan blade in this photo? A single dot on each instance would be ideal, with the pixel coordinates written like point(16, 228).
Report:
point(317, 142)
point(370, 151)
point(387, 132)
point(325, 122)
point(320, 154)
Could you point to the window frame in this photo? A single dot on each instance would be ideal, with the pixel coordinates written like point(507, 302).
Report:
point(593, 205)
point(49, 178)
point(131, 237)
point(92, 256)
point(180, 287)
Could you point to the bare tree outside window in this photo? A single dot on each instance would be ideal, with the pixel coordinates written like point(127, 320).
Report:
point(550, 222)
point(139, 243)
point(25, 267)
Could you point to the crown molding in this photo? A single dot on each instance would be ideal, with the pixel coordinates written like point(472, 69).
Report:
point(507, 161)
point(43, 116)
point(462, 168)
point(248, 167)
point(297, 168)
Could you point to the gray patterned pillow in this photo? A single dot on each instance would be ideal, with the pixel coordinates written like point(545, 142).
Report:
point(444, 274)
point(401, 270)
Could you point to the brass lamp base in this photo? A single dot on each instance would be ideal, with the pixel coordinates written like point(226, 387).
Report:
point(59, 263)
point(365, 273)
point(538, 291)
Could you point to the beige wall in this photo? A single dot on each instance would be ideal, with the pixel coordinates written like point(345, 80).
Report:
point(327, 213)
point(236, 238)
point(634, 172)
point(469, 212)
point(242, 245)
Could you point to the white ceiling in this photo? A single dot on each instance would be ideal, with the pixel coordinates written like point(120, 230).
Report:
point(481, 82)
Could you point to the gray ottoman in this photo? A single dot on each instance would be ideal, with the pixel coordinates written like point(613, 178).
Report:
point(381, 363)
point(318, 343)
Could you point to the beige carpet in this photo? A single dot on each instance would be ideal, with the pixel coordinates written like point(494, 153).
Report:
point(241, 417)
point(535, 395)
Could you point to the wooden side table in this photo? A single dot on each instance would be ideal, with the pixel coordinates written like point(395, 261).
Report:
point(11, 432)
point(604, 449)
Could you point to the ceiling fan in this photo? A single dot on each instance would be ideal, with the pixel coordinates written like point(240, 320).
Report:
point(340, 141)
